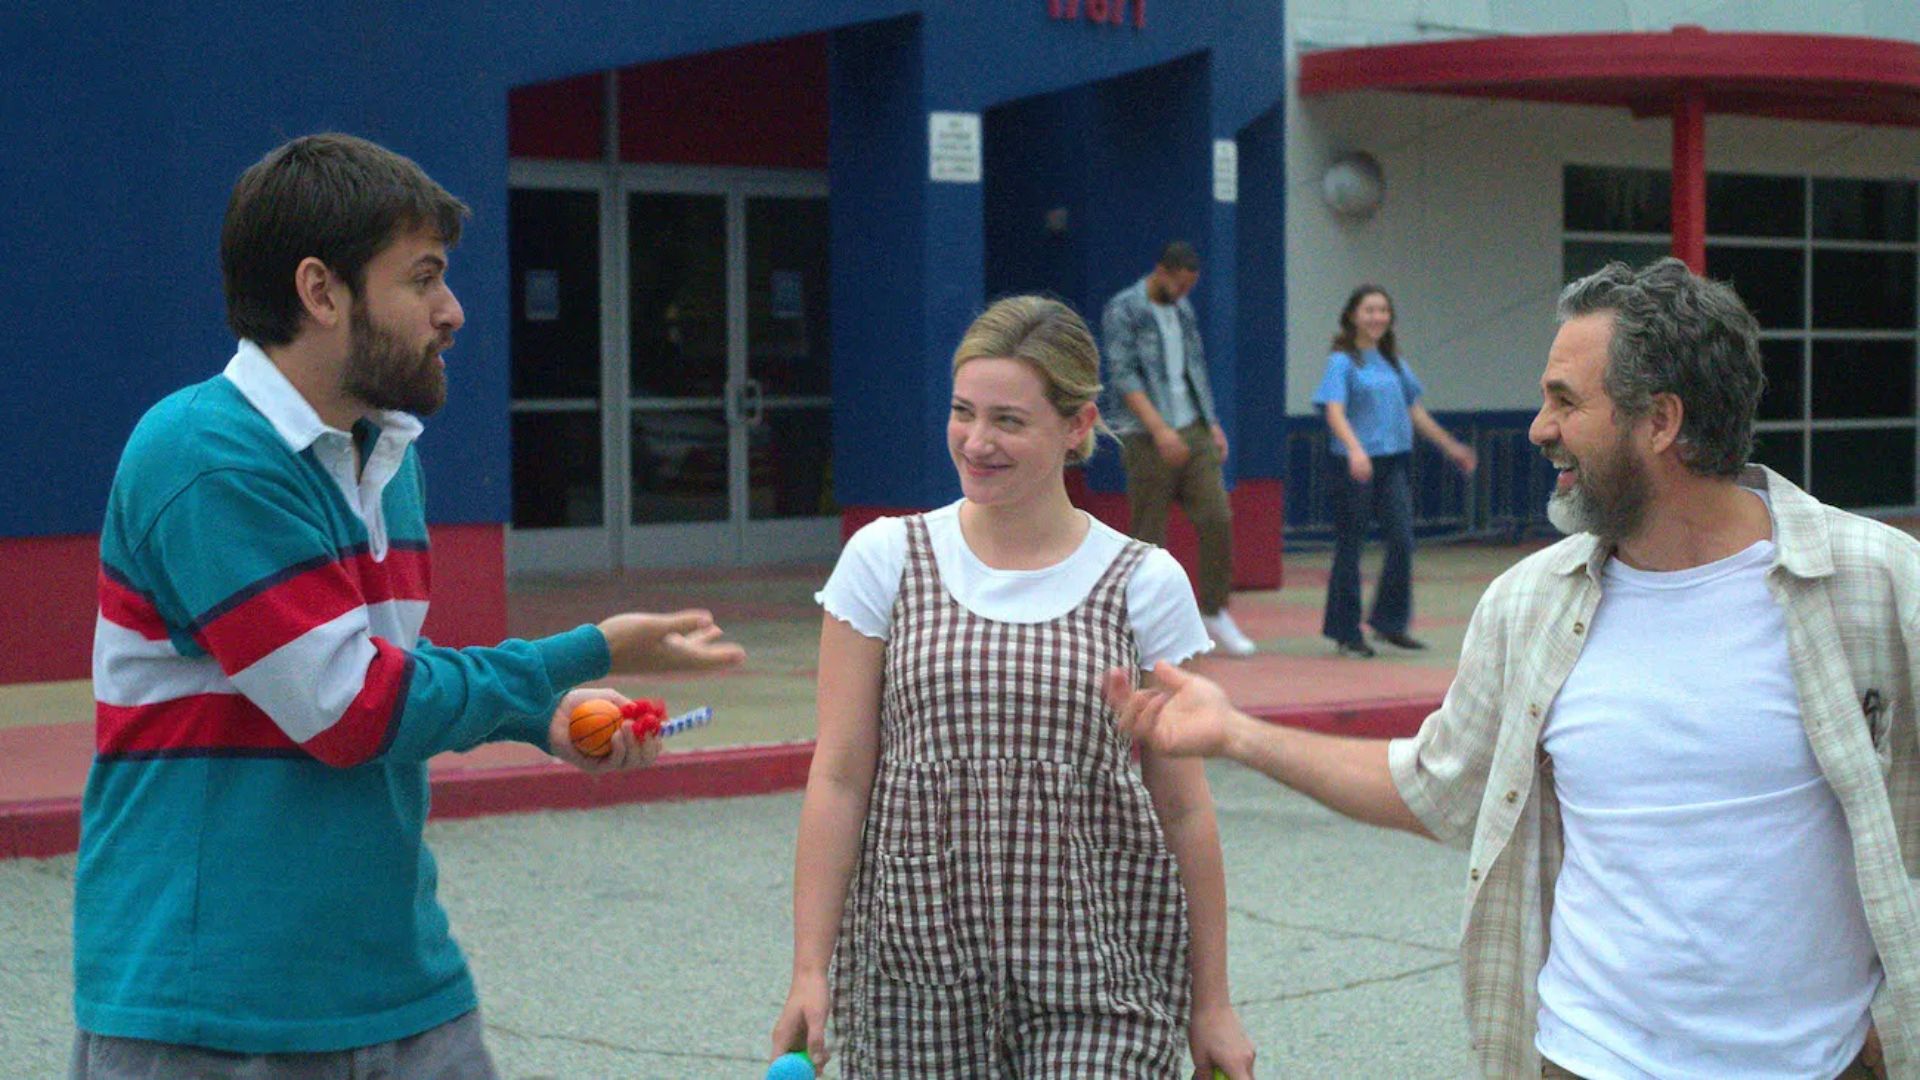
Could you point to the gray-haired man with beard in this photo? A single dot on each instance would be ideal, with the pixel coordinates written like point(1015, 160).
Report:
point(1681, 743)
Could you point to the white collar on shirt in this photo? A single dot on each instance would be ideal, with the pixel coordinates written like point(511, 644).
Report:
point(267, 389)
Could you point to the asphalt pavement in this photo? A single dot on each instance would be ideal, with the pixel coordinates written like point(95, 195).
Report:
point(651, 941)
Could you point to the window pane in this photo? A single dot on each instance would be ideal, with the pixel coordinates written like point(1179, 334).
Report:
point(677, 307)
point(679, 466)
point(1864, 209)
point(553, 247)
point(1582, 257)
point(1863, 468)
point(556, 469)
point(1741, 205)
point(1617, 200)
point(1856, 379)
point(1780, 451)
point(1863, 290)
point(789, 321)
point(1781, 358)
point(1768, 279)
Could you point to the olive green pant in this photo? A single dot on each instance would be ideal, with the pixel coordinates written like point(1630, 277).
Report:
point(1153, 487)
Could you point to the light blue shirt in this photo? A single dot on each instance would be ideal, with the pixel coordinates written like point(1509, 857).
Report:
point(1376, 395)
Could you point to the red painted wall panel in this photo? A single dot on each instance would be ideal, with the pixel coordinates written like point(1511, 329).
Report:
point(47, 636)
point(52, 587)
point(757, 106)
point(557, 120)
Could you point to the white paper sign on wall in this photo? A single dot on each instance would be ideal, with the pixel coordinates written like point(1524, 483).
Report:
point(1226, 171)
point(953, 147)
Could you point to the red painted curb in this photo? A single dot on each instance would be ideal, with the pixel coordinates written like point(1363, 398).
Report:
point(47, 827)
point(691, 774)
point(39, 828)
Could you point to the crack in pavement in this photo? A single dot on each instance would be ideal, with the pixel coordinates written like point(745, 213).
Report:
point(603, 1044)
point(1354, 985)
point(1269, 920)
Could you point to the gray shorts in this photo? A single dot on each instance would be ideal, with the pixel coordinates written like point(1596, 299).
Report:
point(452, 1051)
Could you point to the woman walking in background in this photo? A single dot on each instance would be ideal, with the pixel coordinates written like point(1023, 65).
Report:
point(1372, 403)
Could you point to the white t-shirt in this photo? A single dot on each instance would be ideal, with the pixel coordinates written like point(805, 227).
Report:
point(1173, 348)
point(1160, 603)
point(1707, 921)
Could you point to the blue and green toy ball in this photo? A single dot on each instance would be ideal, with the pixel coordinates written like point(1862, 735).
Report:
point(794, 1066)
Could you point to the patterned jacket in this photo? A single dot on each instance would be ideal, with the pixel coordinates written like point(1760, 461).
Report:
point(1131, 337)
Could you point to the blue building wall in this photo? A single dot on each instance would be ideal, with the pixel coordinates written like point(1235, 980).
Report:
point(121, 139)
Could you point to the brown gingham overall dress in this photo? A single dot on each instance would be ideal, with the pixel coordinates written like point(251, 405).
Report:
point(1015, 911)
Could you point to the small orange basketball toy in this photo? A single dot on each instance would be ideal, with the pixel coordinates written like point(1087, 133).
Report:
point(593, 723)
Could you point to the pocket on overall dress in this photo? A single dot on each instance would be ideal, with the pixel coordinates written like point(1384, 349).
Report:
point(1138, 915)
point(915, 937)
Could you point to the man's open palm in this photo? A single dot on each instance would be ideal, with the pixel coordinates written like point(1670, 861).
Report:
point(1184, 716)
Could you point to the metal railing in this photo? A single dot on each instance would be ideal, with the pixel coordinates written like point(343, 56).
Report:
point(1505, 499)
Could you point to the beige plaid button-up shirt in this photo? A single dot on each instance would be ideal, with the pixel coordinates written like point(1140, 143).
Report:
point(1477, 777)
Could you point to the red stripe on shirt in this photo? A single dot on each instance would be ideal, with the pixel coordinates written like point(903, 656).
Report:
point(242, 635)
point(122, 606)
point(361, 733)
point(262, 623)
point(403, 575)
point(198, 723)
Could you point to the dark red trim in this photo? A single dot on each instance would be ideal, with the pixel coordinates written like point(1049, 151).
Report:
point(200, 724)
point(1791, 76)
point(1690, 180)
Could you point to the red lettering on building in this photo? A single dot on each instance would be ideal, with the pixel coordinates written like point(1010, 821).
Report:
point(1099, 12)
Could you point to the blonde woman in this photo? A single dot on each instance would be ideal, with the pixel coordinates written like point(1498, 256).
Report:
point(989, 881)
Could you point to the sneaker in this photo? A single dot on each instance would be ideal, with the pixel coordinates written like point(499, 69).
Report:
point(1357, 649)
point(1220, 627)
point(1401, 640)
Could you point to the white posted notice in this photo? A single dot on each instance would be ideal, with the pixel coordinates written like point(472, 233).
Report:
point(953, 147)
point(1226, 171)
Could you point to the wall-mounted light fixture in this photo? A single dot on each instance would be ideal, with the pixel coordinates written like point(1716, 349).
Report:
point(1354, 185)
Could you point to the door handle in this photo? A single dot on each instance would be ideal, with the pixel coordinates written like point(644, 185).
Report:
point(753, 399)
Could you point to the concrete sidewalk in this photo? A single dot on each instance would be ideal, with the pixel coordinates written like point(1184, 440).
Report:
point(760, 741)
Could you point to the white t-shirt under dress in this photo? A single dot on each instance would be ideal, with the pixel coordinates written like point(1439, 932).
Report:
point(1160, 603)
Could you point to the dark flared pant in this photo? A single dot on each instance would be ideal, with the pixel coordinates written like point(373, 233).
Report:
point(1388, 502)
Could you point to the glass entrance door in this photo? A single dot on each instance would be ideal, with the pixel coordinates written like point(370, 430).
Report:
point(706, 426)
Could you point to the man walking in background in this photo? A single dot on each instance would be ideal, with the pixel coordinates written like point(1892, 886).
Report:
point(1172, 445)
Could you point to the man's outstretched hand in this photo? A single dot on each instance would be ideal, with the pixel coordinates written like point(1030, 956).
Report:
point(1184, 715)
point(683, 641)
point(624, 751)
